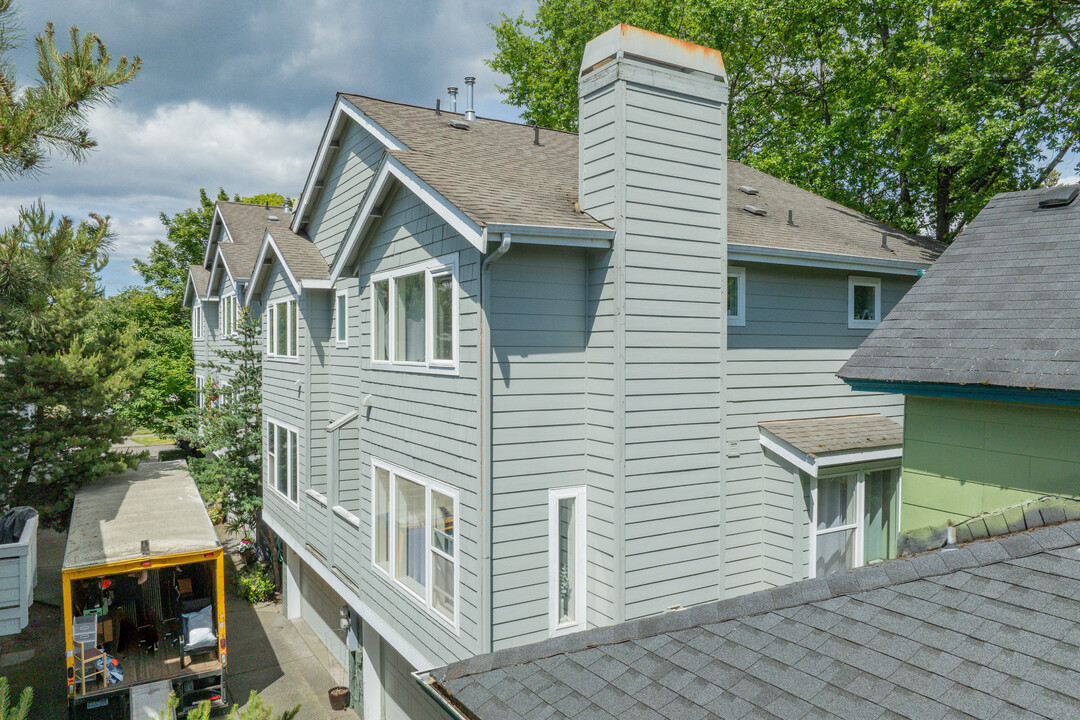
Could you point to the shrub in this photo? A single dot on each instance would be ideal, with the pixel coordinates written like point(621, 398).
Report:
point(255, 584)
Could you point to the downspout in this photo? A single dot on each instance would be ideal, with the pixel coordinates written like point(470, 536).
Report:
point(486, 642)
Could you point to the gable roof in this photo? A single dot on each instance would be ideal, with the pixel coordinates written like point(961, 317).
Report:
point(244, 223)
point(986, 630)
point(198, 283)
point(302, 261)
point(495, 176)
point(1001, 307)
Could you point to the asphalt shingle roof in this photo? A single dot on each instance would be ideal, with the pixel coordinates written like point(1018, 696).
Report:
point(495, 174)
point(818, 436)
point(200, 277)
point(1001, 306)
point(987, 630)
point(246, 223)
point(299, 253)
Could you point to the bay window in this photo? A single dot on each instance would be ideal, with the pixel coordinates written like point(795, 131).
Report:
point(414, 316)
point(855, 520)
point(282, 449)
point(281, 331)
point(415, 541)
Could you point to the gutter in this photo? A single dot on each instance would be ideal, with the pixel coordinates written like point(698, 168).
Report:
point(781, 256)
point(423, 677)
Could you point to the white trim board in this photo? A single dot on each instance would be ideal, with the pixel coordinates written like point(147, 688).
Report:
point(413, 656)
point(261, 268)
point(804, 258)
point(813, 465)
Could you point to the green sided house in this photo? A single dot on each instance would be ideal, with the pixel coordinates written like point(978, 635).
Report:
point(986, 349)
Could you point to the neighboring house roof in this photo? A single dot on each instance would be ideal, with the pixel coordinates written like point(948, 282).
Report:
point(821, 436)
point(990, 629)
point(198, 283)
point(1001, 307)
point(494, 174)
point(302, 261)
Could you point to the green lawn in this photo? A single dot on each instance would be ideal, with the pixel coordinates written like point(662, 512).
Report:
point(152, 440)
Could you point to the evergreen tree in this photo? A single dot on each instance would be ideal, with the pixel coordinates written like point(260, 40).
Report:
point(19, 711)
point(227, 428)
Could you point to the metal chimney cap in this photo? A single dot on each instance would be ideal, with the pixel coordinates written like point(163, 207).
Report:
point(470, 80)
point(452, 89)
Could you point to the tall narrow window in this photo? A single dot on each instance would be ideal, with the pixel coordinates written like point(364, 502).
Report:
point(196, 322)
point(341, 319)
point(864, 302)
point(282, 329)
point(381, 321)
point(409, 304)
point(282, 453)
point(836, 524)
point(416, 544)
point(442, 323)
point(736, 296)
point(291, 305)
point(566, 586)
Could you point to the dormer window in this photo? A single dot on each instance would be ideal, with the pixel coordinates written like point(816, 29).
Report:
point(414, 316)
point(864, 302)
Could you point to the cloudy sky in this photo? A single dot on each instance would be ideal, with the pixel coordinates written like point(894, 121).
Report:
point(235, 94)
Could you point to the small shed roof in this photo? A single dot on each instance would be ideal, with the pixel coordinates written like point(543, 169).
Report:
point(158, 503)
point(820, 436)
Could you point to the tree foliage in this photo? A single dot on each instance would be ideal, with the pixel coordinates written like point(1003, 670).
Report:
point(66, 363)
point(913, 112)
point(50, 114)
point(227, 428)
point(18, 711)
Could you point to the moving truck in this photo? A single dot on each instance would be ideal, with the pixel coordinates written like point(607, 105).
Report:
point(143, 597)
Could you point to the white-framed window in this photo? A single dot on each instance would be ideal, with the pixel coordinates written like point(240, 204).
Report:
point(232, 315)
point(341, 318)
point(416, 545)
point(736, 295)
point(281, 333)
point(282, 451)
point(200, 391)
point(856, 519)
point(414, 315)
point(864, 302)
point(196, 322)
point(566, 559)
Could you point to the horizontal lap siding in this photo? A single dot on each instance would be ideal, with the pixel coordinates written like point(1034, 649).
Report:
point(425, 423)
point(347, 180)
point(536, 311)
point(674, 330)
point(782, 366)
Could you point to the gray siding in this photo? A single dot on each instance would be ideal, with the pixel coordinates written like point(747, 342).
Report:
point(403, 699)
point(347, 180)
point(536, 313)
point(781, 366)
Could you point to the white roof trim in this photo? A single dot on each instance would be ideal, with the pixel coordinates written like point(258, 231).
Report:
point(213, 272)
point(342, 108)
point(213, 224)
point(317, 284)
point(391, 167)
point(804, 258)
point(552, 235)
point(189, 289)
point(343, 420)
point(260, 267)
point(813, 465)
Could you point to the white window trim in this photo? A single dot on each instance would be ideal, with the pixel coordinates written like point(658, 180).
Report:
point(860, 512)
point(738, 319)
point(271, 330)
point(271, 479)
point(338, 326)
point(196, 322)
point(581, 562)
point(200, 390)
point(436, 267)
point(873, 282)
point(429, 484)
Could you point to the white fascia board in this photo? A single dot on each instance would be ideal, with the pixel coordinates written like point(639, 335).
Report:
point(812, 465)
point(268, 245)
point(413, 656)
point(342, 109)
point(600, 238)
point(211, 245)
point(803, 258)
point(189, 290)
point(218, 257)
point(343, 420)
point(391, 168)
point(316, 284)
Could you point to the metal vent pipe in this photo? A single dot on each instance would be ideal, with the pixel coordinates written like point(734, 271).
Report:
point(453, 97)
point(470, 113)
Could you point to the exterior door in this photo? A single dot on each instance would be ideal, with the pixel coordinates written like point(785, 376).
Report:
point(356, 681)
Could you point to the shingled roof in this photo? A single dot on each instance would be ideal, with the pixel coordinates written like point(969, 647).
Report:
point(246, 223)
point(986, 630)
point(820, 436)
point(1001, 307)
point(299, 254)
point(494, 173)
point(199, 278)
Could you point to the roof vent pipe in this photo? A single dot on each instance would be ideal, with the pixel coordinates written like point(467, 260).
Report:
point(453, 97)
point(536, 134)
point(470, 113)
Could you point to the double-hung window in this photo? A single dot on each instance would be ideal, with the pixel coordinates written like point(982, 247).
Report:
point(196, 322)
point(736, 296)
point(855, 519)
point(416, 537)
point(232, 315)
point(281, 331)
point(414, 314)
point(282, 449)
point(864, 302)
point(566, 559)
point(341, 318)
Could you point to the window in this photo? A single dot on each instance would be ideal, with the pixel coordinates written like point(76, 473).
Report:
point(566, 559)
point(415, 537)
point(864, 302)
point(196, 322)
point(414, 317)
point(230, 314)
point(200, 389)
point(282, 449)
point(736, 296)
point(855, 520)
point(341, 319)
point(281, 329)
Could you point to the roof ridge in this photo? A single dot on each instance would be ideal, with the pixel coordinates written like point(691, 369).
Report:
point(250, 204)
point(870, 577)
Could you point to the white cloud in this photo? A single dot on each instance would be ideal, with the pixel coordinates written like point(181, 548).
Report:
point(1069, 180)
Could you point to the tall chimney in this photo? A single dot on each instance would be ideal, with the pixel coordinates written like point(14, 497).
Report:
point(652, 164)
point(453, 98)
point(470, 113)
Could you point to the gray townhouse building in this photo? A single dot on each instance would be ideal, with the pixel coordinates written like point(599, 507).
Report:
point(520, 383)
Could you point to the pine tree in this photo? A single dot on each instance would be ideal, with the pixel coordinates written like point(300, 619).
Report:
point(227, 428)
point(20, 711)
